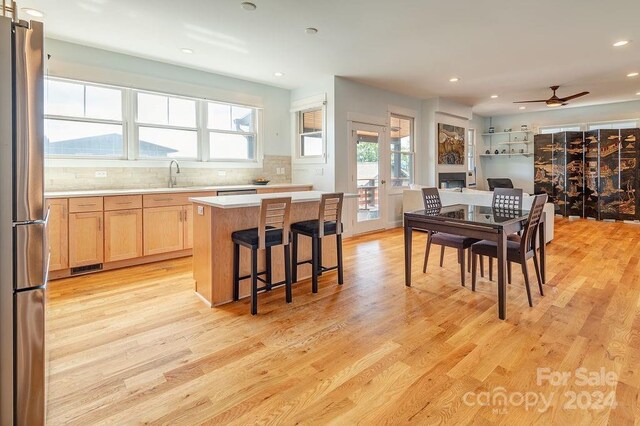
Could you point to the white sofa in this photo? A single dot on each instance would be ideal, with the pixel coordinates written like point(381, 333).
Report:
point(412, 200)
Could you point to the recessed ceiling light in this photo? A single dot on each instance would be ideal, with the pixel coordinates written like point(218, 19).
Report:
point(32, 12)
point(638, 93)
point(620, 43)
point(632, 74)
point(523, 107)
point(494, 96)
point(311, 30)
point(454, 79)
point(278, 74)
point(247, 5)
point(186, 50)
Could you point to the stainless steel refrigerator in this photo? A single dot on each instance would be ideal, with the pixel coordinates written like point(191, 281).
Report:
point(24, 253)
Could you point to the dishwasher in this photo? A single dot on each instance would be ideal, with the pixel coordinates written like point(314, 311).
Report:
point(236, 192)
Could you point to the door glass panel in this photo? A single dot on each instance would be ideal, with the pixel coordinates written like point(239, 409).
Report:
point(368, 174)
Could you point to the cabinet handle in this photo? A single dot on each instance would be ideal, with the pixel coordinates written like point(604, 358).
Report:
point(99, 224)
point(162, 199)
point(185, 215)
point(86, 205)
point(124, 202)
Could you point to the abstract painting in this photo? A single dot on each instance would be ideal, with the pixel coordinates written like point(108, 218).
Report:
point(451, 143)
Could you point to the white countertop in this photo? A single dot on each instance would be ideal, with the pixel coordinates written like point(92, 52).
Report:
point(107, 192)
point(254, 200)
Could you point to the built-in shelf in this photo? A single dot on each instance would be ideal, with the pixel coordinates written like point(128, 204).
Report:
point(523, 154)
point(514, 143)
point(507, 133)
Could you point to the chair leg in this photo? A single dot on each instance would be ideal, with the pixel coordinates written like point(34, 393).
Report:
point(287, 272)
point(254, 281)
point(481, 265)
point(463, 272)
point(236, 272)
point(525, 272)
point(426, 254)
point(538, 275)
point(490, 268)
point(469, 260)
point(509, 272)
point(294, 258)
point(268, 266)
point(441, 255)
point(314, 264)
point(319, 256)
point(474, 270)
point(339, 253)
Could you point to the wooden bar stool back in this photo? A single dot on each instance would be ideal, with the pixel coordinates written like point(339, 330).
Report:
point(274, 229)
point(329, 222)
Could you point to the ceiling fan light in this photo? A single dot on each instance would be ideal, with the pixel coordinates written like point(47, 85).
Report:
point(554, 104)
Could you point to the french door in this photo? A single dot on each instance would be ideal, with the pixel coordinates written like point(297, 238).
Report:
point(369, 176)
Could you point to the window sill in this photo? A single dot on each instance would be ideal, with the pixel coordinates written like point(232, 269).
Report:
point(189, 164)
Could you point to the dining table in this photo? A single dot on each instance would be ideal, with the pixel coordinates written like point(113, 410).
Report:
point(480, 222)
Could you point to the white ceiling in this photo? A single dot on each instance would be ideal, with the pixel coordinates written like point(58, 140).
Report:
point(513, 48)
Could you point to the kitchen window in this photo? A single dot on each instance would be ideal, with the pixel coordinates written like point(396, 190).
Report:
point(88, 120)
point(83, 121)
point(231, 132)
point(311, 133)
point(166, 127)
point(402, 150)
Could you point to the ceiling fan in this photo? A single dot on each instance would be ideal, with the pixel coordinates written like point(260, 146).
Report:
point(555, 101)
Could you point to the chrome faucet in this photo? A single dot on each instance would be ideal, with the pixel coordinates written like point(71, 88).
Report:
point(173, 180)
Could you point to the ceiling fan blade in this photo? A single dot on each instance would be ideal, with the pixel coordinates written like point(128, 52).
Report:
point(524, 102)
point(577, 95)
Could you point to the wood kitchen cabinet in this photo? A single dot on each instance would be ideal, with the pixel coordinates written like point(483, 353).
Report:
point(163, 229)
point(188, 226)
point(58, 233)
point(122, 234)
point(86, 239)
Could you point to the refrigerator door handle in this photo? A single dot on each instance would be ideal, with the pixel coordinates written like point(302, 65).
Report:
point(32, 254)
point(44, 221)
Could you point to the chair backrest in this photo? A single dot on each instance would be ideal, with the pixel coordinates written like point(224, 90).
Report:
point(506, 198)
point(275, 215)
point(330, 211)
point(499, 183)
point(431, 198)
point(528, 241)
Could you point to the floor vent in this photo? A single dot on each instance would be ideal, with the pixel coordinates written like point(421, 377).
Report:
point(84, 269)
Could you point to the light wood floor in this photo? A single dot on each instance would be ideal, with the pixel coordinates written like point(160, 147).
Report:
point(137, 346)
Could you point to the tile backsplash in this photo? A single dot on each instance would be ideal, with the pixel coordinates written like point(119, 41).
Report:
point(84, 178)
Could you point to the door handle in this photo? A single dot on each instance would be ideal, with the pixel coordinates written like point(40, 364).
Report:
point(383, 181)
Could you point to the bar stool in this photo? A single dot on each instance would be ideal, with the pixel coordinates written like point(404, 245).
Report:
point(274, 229)
point(328, 223)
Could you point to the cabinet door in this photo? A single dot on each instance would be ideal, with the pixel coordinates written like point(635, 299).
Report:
point(58, 233)
point(86, 239)
point(163, 229)
point(122, 234)
point(188, 226)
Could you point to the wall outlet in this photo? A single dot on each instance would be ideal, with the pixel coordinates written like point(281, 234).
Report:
point(101, 174)
point(222, 172)
point(200, 210)
point(280, 170)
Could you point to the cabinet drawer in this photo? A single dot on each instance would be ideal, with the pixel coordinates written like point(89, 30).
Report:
point(164, 200)
point(85, 204)
point(123, 202)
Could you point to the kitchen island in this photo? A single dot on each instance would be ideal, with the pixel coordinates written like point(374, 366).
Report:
point(216, 218)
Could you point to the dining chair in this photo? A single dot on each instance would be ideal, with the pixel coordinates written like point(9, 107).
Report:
point(431, 200)
point(329, 222)
point(499, 183)
point(517, 251)
point(505, 199)
point(274, 229)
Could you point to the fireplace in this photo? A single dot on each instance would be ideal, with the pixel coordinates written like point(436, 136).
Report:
point(452, 180)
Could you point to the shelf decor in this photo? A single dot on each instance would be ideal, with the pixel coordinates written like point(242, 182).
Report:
point(451, 144)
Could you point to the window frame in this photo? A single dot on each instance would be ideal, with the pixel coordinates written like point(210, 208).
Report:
point(411, 152)
point(257, 124)
point(121, 122)
point(130, 133)
point(297, 108)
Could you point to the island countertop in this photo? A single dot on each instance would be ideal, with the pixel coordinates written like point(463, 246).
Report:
point(254, 200)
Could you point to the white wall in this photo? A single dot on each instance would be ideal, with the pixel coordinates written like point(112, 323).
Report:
point(91, 64)
point(372, 105)
point(520, 169)
point(320, 174)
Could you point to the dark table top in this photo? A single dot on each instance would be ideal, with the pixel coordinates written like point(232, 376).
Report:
point(472, 214)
